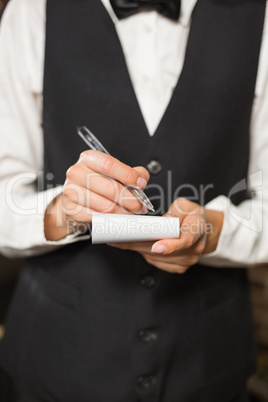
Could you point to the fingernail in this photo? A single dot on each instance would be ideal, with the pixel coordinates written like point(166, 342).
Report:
point(143, 211)
point(159, 249)
point(141, 182)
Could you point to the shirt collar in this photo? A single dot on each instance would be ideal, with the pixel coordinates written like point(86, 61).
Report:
point(187, 7)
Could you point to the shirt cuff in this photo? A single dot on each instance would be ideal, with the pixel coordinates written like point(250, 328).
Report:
point(29, 237)
point(221, 256)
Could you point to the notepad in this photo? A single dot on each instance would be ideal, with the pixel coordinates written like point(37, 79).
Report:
point(118, 228)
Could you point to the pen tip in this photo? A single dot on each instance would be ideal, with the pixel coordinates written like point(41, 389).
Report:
point(149, 205)
point(151, 208)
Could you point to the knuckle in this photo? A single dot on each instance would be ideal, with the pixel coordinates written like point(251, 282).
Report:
point(68, 207)
point(136, 206)
point(109, 206)
point(199, 248)
point(82, 155)
point(181, 270)
point(89, 180)
point(193, 260)
point(111, 188)
point(70, 172)
point(146, 174)
point(188, 242)
point(73, 191)
point(107, 164)
point(130, 176)
point(67, 192)
point(85, 154)
point(182, 202)
point(186, 206)
point(149, 259)
point(179, 206)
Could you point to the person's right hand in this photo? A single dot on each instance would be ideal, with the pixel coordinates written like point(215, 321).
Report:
point(90, 187)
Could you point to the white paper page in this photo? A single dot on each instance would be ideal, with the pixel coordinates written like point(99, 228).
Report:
point(115, 228)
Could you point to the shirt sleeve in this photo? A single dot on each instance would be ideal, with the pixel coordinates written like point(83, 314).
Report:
point(244, 237)
point(22, 207)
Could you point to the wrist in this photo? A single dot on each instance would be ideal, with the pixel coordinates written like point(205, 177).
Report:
point(55, 222)
point(214, 220)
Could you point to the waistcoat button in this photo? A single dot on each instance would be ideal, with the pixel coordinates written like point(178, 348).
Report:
point(154, 167)
point(146, 335)
point(148, 281)
point(144, 381)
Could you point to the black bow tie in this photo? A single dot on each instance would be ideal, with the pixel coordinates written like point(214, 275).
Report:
point(126, 8)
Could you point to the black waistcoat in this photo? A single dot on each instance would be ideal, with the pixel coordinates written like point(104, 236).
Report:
point(82, 307)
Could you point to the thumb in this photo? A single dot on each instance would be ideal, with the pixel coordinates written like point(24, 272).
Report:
point(182, 207)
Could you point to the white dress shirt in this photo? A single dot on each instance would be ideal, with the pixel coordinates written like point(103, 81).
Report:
point(154, 49)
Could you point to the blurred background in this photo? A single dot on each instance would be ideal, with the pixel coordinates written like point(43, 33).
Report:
point(258, 384)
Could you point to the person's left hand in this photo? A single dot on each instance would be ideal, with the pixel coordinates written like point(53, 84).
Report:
point(199, 233)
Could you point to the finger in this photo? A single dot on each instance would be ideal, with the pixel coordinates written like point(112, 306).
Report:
point(109, 190)
point(80, 213)
point(77, 213)
point(182, 207)
point(186, 260)
point(141, 247)
point(86, 177)
point(192, 229)
point(93, 201)
point(171, 268)
point(170, 246)
point(146, 247)
point(112, 167)
point(142, 172)
point(164, 247)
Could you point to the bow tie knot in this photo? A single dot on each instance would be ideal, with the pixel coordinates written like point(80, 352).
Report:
point(126, 8)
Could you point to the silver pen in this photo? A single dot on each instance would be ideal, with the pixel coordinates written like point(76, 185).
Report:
point(95, 144)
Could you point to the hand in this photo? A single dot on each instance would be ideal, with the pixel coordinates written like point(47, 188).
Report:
point(199, 234)
point(89, 187)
